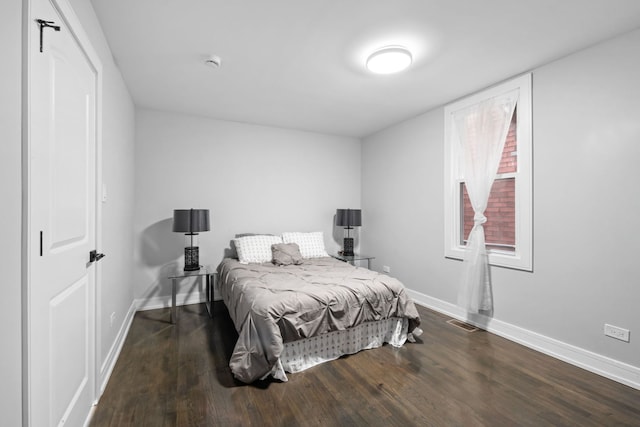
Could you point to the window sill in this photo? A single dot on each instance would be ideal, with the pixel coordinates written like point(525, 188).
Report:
point(513, 261)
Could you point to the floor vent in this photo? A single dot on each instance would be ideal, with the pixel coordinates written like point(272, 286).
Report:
point(462, 325)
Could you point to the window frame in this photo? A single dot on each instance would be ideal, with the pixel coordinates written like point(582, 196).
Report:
point(522, 258)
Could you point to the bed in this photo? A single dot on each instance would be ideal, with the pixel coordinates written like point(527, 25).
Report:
point(293, 315)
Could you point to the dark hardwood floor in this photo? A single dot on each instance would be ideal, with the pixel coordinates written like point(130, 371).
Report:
point(177, 375)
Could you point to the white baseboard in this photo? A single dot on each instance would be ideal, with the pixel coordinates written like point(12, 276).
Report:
point(114, 352)
point(610, 368)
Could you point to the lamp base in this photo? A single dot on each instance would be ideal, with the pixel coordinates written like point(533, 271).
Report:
point(191, 258)
point(348, 246)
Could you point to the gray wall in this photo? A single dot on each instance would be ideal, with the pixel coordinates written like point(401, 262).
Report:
point(11, 211)
point(254, 179)
point(586, 131)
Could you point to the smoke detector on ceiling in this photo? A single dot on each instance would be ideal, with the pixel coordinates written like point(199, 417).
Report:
point(213, 61)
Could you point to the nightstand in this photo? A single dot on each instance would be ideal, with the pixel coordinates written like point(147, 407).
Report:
point(204, 271)
point(351, 259)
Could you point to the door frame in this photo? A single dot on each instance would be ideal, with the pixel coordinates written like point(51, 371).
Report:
point(73, 24)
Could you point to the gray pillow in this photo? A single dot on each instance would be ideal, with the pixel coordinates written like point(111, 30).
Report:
point(286, 254)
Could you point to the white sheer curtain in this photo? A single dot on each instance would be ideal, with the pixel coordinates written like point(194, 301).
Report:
point(482, 130)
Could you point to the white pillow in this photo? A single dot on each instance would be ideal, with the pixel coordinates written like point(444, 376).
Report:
point(255, 248)
point(311, 244)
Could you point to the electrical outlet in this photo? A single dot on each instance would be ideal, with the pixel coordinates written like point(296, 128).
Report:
point(616, 332)
point(113, 318)
point(386, 269)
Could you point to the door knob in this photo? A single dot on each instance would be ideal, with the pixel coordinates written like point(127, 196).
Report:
point(95, 256)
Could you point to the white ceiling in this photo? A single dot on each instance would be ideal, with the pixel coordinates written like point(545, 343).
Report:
point(300, 63)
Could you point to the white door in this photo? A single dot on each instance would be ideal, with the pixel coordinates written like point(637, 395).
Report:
point(62, 109)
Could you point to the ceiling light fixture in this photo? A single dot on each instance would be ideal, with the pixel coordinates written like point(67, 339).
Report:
point(389, 59)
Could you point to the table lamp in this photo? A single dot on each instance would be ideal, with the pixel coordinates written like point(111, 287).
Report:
point(348, 218)
point(191, 222)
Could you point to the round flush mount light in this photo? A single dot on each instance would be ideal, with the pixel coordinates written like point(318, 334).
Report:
point(213, 61)
point(389, 59)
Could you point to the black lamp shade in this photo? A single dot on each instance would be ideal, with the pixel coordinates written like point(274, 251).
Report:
point(190, 221)
point(349, 218)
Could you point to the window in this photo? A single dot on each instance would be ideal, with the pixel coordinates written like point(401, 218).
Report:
point(508, 230)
